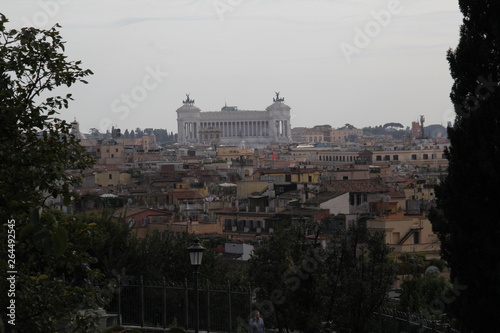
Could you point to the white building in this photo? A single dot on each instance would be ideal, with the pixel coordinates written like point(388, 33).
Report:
point(254, 128)
point(244, 250)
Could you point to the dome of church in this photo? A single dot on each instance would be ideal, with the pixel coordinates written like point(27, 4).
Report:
point(75, 130)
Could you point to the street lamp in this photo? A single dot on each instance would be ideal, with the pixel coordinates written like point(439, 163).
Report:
point(196, 255)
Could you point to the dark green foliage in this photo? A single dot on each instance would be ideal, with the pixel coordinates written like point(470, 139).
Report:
point(426, 294)
point(36, 148)
point(119, 252)
point(39, 158)
point(399, 125)
point(94, 133)
point(162, 136)
point(273, 270)
point(411, 264)
point(91, 201)
point(359, 276)
point(382, 130)
point(301, 285)
point(120, 329)
point(81, 270)
point(60, 257)
point(467, 217)
point(55, 280)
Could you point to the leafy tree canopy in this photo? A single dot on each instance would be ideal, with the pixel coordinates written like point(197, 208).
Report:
point(301, 284)
point(39, 158)
point(399, 125)
point(36, 147)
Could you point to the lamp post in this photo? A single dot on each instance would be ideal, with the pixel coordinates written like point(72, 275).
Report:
point(196, 255)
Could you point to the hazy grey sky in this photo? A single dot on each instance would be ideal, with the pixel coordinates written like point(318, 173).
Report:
point(364, 62)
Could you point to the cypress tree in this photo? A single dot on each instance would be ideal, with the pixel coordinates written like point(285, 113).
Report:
point(466, 219)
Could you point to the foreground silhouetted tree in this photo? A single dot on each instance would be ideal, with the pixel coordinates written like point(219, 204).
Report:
point(467, 217)
point(303, 286)
point(425, 294)
point(39, 158)
point(36, 146)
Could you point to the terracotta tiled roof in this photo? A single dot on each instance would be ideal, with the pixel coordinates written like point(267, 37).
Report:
point(285, 171)
point(409, 182)
point(393, 193)
point(395, 179)
point(131, 211)
point(356, 186)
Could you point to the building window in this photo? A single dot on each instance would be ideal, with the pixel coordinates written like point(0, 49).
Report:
point(387, 158)
point(416, 237)
point(396, 237)
point(345, 177)
point(110, 176)
point(379, 158)
point(414, 157)
point(426, 156)
point(395, 157)
point(116, 149)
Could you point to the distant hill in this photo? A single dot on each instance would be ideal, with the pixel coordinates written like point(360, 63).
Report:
point(397, 130)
